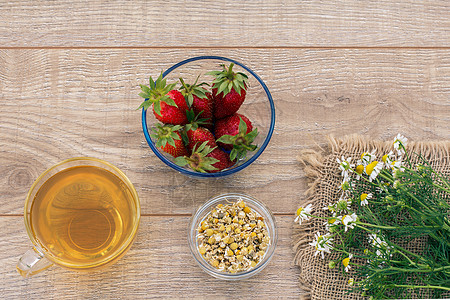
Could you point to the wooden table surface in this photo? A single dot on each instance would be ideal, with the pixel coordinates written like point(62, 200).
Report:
point(69, 76)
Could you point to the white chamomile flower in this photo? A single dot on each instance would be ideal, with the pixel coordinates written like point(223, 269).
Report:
point(382, 249)
point(388, 159)
point(322, 244)
point(345, 166)
point(397, 165)
point(364, 197)
point(331, 223)
point(346, 262)
point(348, 221)
point(400, 144)
point(330, 207)
point(303, 214)
point(368, 157)
point(351, 282)
point(373, 169)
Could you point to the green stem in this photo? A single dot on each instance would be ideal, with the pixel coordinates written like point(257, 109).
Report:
point(376, 226)
point(441, 187)
point(421, 286)
point(426, 270)
point(387, 178)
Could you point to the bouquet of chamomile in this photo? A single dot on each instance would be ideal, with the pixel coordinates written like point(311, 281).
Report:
point(390, 224)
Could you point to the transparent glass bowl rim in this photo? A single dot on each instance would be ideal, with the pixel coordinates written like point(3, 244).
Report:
point(260, 208)
point(225, 172)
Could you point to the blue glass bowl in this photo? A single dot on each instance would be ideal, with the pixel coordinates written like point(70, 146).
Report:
point(258, 107)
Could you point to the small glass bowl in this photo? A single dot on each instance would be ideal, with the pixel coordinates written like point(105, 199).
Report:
point(206, 208)
point(258, 107)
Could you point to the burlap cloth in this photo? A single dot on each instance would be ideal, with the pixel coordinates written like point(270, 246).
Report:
point(316, 278)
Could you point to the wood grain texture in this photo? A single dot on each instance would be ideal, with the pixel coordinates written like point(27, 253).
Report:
point(288, 23)
point(61, 103)
point(158, 265)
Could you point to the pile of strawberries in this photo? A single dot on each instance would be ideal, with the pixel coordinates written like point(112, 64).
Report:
point(201, 127)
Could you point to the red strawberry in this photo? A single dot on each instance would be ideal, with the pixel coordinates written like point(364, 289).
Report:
point(223, 160)
point(203, 107)
point(169, 105)
point(230, 126)
point(175, 115)
point(235, 133)
point(229, 90)
point(200, 100)
point(169, 140)
point(200, 135)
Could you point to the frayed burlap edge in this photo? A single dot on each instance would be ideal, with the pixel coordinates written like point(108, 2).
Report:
point(313, 161)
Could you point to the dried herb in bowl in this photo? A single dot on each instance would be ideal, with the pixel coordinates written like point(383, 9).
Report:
point(233, 237)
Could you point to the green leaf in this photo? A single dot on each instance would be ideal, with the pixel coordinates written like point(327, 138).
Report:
point(159, 143)
point(180, 161)
point(239, 77)
point(226, 139)
point(170, 86)
point(242, 126)
point(229, 87)
point(145, 105)
point(202, 146)
point(252, 135)
point(171, 142)
point(144, 95)
point(145, 89)
point(213, 73)
point(152, 83)
point(174, 136)
point(233, 154)
point(157, 108)
point(176, 127)
point(169, 101)
point(184, 137)
point(236, 86)
point(201, 93)
point(245, 77)
point(222, 87)
point(190, 100)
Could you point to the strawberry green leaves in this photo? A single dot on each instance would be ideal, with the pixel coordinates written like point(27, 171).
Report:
point(226, 80)
point(165, 134)
point(156, 93)
point(189, 90)
point(198, 161)
point(242, 142)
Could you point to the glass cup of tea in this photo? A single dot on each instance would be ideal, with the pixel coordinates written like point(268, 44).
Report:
point(82, 213)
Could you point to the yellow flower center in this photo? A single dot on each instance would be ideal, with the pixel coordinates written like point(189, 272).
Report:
point(385, 157)
point(299, 211)
point(343, 218)
point(345, 261)
point(370, 167)
point(364, 154)
point(363, 197)
point(359, 169)
point(331, 221)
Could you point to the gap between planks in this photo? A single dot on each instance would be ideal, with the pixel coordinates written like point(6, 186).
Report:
point(227, 47)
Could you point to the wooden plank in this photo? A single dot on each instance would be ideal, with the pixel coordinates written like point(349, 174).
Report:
point(159, 264)
point(345, 23)
point(61, 103)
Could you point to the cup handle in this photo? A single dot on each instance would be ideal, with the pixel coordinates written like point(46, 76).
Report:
point(32, 262)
